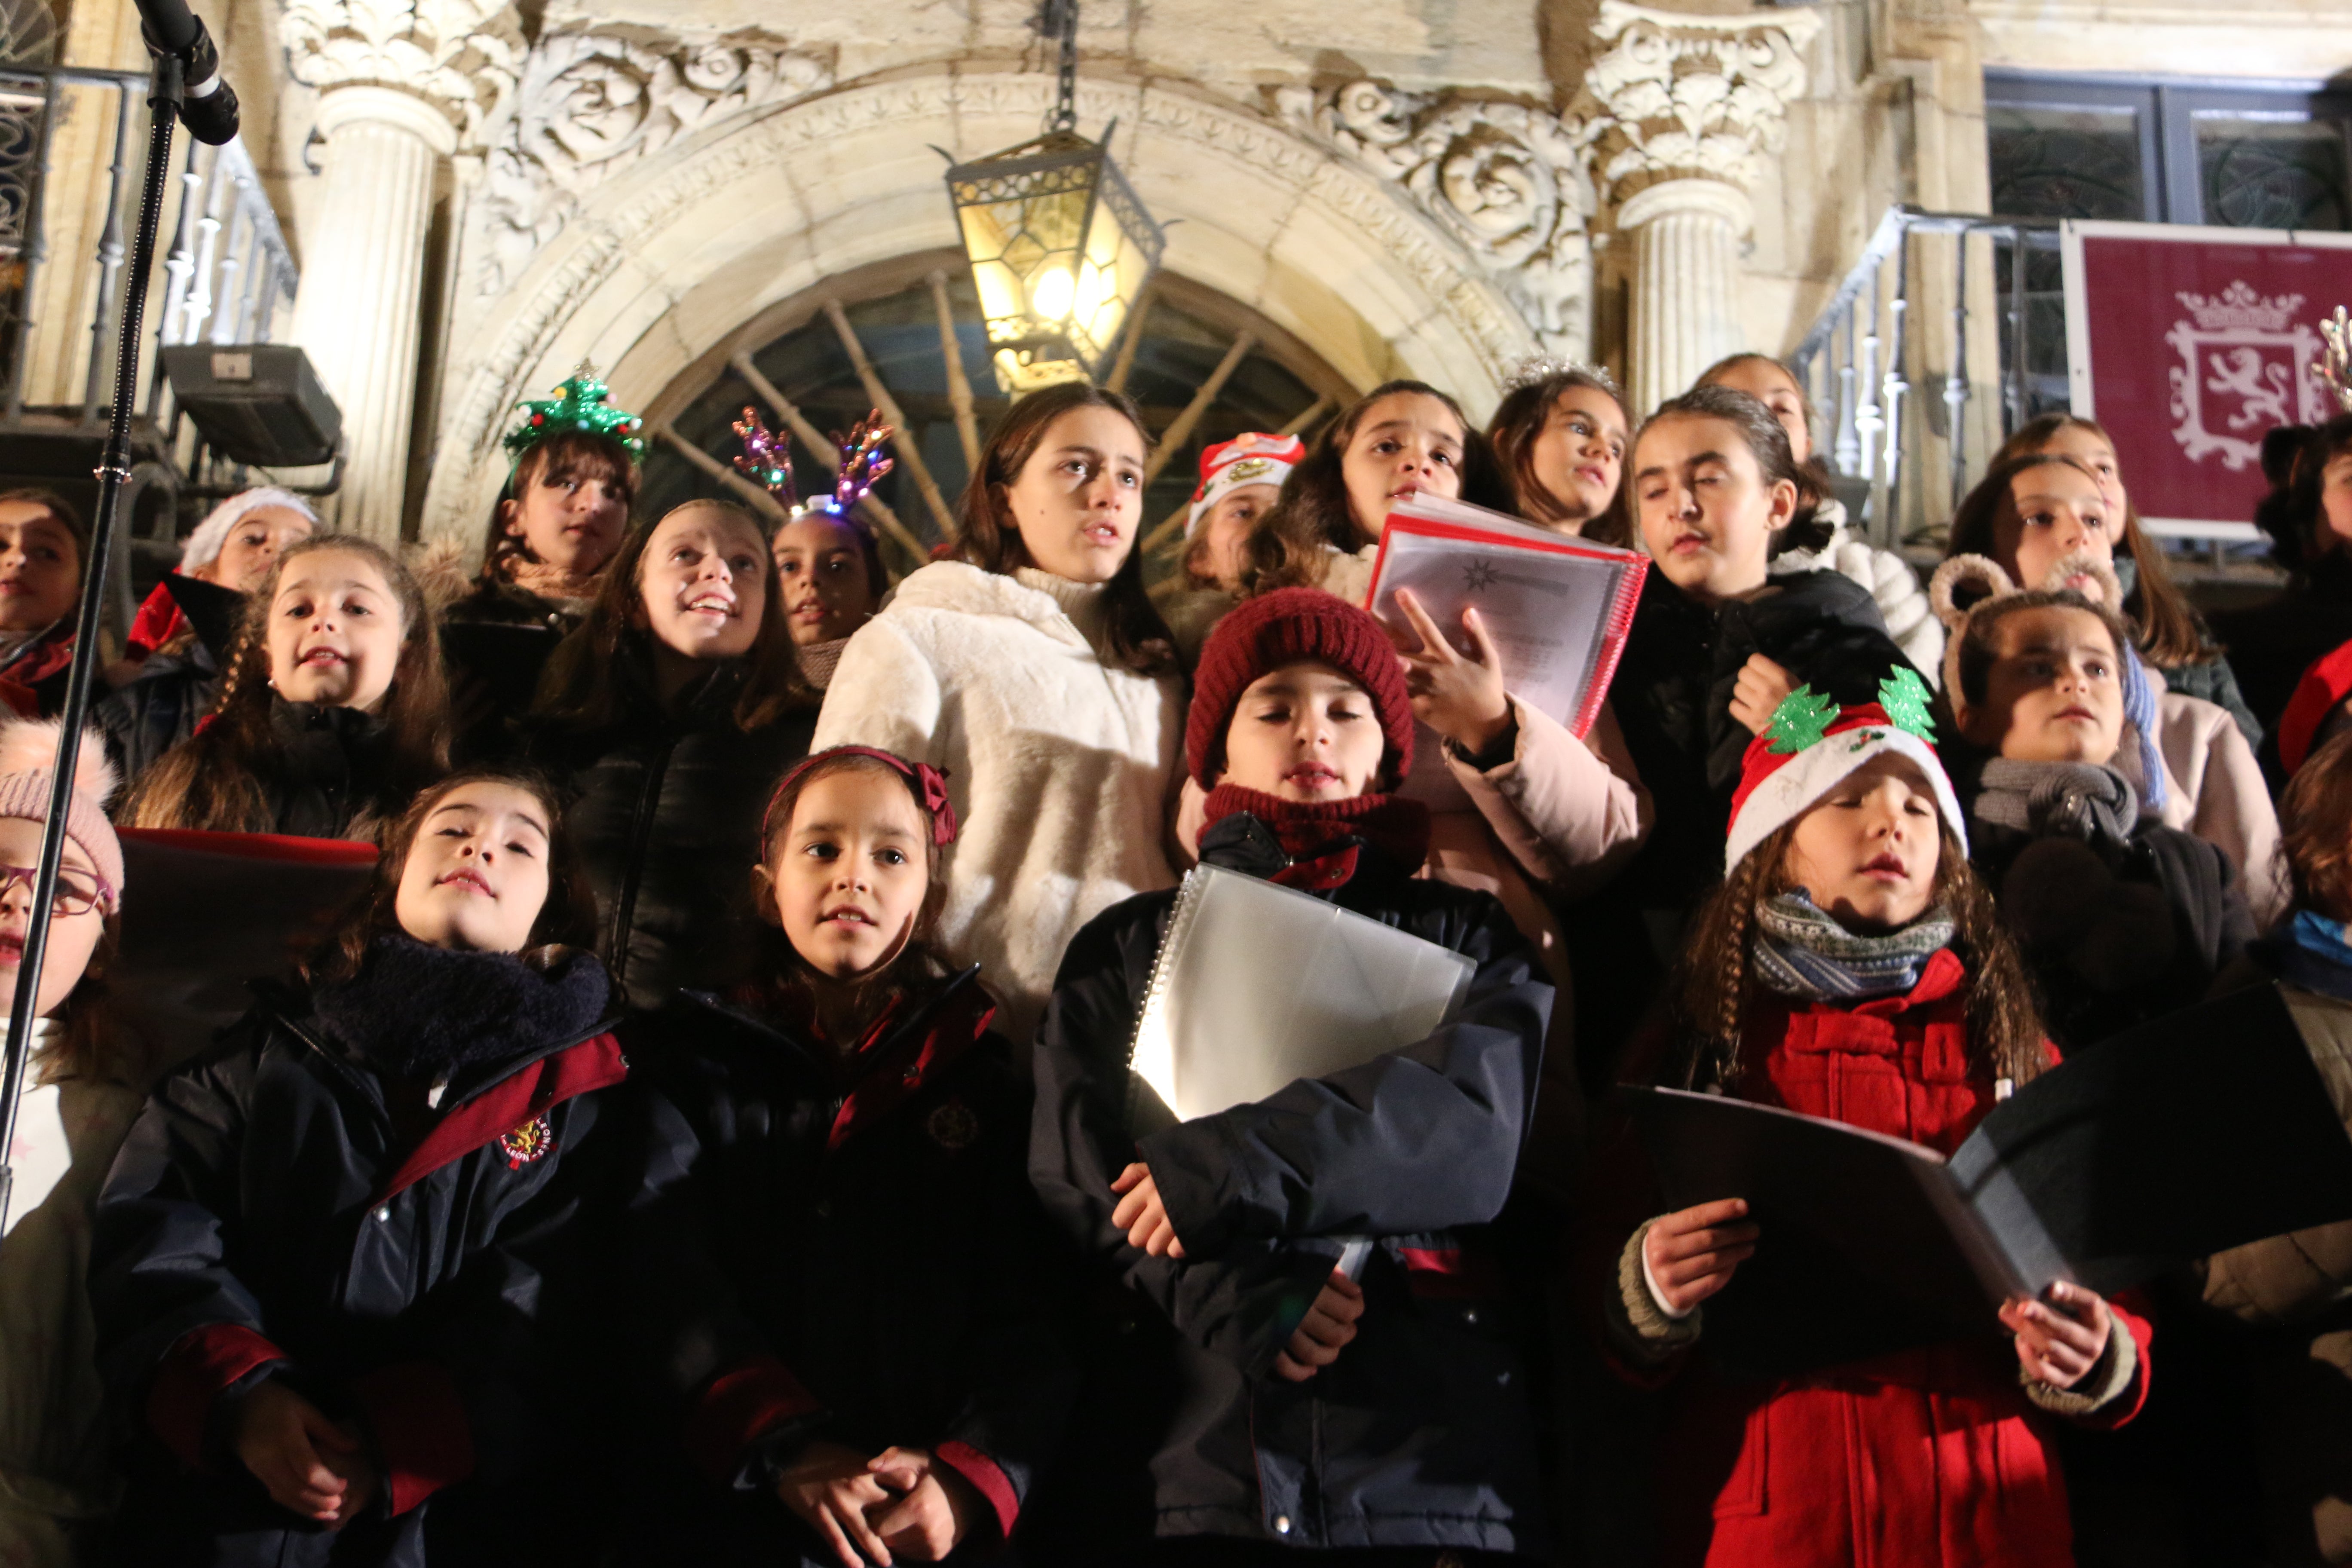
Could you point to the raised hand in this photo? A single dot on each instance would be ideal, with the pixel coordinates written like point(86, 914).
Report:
point(1460, 696)
point(1761, 687)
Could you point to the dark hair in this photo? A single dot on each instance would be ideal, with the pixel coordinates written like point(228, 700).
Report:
point(778, 972)
point(869, 548)
point(2315, 830)
point(93, 1043)
point(1289, 547)
point(1975, 653)
point(1138, 640)
point(1520, 420)
point(567, 919)
point(59, 509)
point(218, 778)
point(2293, 514)
point(2169, 630)
point(578, 690)
point(570, 454)
point(1708, 1001)
point(1805, 530)
point(1767, 442)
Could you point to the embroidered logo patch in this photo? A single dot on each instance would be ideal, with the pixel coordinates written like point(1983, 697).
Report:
point(953, 1126)
point(532, 1141)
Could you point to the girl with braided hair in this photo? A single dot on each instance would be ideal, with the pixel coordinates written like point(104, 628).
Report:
point(1852, 966)
point(333, 712)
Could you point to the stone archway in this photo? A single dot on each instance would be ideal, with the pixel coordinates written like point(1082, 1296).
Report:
point(669, 258)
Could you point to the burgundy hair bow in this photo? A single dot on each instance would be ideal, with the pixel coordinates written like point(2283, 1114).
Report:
point(930, 784)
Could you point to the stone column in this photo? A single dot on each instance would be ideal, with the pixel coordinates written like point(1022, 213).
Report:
point(401, 89)
point(1689, 107)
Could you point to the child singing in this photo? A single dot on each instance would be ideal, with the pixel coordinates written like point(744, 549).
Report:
point(334, 1255)
point(854, 1298)
point(1271, 1402)
point(1851, 966)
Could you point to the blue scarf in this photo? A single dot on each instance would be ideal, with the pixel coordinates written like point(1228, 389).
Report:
point(2312, 952)
point(1802, 952)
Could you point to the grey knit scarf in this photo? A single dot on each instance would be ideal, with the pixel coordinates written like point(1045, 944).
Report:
point(1801, 951)
point(2079, 800)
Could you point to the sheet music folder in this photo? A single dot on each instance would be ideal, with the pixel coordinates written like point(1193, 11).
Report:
point(2180, 1138)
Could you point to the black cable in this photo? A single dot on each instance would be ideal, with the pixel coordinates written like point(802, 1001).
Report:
point(164, 104)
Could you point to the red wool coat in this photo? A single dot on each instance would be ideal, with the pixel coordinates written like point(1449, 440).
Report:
point(1930, 1457)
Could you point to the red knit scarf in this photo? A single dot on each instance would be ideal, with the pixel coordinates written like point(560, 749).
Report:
point(1311, 833)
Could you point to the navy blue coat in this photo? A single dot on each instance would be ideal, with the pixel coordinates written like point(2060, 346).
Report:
point(1422, 1433)
point(839, 1247)
point(268, 1216)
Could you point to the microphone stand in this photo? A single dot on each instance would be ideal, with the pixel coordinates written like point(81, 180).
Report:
point(165, 91)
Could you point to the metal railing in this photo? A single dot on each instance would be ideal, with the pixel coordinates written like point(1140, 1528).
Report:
point(1910, 315)
point(227, 277)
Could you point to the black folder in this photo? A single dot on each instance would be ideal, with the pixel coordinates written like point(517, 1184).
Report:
point(2184, 1136)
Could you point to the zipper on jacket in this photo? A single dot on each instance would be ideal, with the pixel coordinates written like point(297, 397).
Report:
point(625, 907)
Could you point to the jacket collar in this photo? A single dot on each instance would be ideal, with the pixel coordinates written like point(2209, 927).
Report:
point(970, 590)
point(910, 1046)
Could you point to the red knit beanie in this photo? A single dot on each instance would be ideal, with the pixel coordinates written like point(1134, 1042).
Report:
point(1291, 625)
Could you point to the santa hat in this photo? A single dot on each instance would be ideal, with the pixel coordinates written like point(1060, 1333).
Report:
point(203, 546)
point(2322, 689)
point(28, 758)
point(1812, 743)
point(1292, 626)
point(1253, 457)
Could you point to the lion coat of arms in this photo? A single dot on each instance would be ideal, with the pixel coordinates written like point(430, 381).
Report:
point(2245, 365)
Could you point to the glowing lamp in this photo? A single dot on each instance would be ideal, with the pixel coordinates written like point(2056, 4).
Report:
point(1060, 252)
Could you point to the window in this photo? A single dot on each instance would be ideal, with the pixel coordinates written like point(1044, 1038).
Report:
point(2171, 150)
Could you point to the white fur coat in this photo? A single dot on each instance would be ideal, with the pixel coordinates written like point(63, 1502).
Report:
point(1060, 767)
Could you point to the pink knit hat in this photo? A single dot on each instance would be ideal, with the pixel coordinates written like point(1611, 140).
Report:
point(29, 755)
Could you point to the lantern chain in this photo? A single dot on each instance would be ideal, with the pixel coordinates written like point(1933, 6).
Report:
point(1060, 20)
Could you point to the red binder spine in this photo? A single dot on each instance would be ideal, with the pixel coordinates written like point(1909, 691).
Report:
point(1613, 647)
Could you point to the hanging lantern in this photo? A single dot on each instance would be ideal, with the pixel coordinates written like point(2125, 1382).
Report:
point(1060, 249)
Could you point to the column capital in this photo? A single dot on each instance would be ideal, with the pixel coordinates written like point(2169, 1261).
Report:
point(458, 58)
point(1685, 97)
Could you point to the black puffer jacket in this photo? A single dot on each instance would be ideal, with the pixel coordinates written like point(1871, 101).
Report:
point(1422, 1433)
point(1672, 696)
point(666, 812)
point(494, 642)
point(847, 1251)
point(293, 1206)
point(159, 709)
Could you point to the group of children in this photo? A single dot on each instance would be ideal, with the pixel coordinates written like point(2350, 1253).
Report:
point(713, 1136)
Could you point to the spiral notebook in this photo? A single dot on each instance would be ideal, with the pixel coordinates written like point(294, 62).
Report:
point(1558, 607)
point(1257, 986)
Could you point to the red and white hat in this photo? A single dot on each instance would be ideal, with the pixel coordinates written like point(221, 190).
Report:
point(1253, 457)
point(1812, 743)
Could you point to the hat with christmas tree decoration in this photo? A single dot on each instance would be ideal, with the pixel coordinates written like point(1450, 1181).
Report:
point(1253, 457)
point(582, 405)
point(1812, 743)
point(768, 460)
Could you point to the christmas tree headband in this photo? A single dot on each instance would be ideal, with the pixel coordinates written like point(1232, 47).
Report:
point(582, 405)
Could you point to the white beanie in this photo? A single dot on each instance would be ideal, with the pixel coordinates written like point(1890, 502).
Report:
point(203, 546)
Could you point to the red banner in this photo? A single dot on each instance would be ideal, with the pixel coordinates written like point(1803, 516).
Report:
point(2187, 344)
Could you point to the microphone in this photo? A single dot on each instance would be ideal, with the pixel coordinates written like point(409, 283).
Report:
point(209, 108)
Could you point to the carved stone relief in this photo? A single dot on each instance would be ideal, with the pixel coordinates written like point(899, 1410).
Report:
point(1508, 183)
point(592, 106)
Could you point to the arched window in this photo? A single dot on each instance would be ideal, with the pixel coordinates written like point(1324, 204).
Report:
point(1186, 332)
